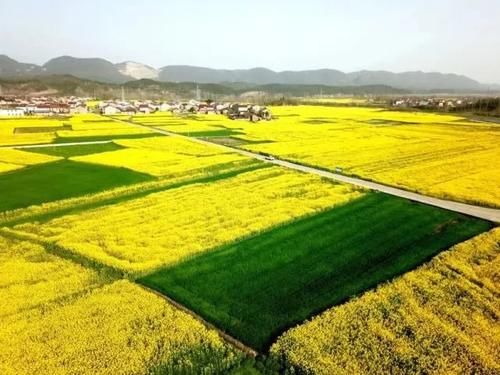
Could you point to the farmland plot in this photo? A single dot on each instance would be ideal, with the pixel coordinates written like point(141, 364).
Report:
point(194, 126)
point(438, 155)
point(440, 318)
point(11, 159)
point(76, 150)
point(104, 180)
point(170, 158)
point(63, 318)
point(251, 247)
point(143, 234)
point(9, 136)
point(442, 156)
point(59, 180)
point(258, 287)
point(87, 127)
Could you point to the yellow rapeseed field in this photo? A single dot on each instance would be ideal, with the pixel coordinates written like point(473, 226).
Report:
point(12, 132)
point(439, 319)
point(101, 132)
point(440, 155)
point(143, 234)
point(168, 157)
point(31, 277)
point(186, 124)
point(11, 159)
point(94, 125)
point(62, 318)
point(38, 130)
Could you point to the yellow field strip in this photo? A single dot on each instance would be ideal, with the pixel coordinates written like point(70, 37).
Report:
point(486, 213)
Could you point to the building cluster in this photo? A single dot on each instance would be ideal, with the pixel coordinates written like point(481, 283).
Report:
point(40, 105)
point(432, 102)
point(112, 107)
point(232, 110)
point(48, 106)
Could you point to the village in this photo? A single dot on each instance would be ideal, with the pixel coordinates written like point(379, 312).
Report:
point(447, 104)
point(19, 106)
point(12, 106)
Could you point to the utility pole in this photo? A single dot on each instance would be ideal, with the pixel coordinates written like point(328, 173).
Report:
point(123, 94)
point(198, 93)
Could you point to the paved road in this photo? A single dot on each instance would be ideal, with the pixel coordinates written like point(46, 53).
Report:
point(57, 144)
point(490, 214)
point(485, 119)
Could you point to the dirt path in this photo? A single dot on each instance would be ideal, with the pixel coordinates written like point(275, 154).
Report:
point(230, 339)
point(114, 275)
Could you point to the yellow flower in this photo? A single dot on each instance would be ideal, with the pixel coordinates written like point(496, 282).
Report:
point(440, 318)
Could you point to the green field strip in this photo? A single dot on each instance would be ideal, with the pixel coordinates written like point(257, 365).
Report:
point(155, 187)
point(76, 150)
point(41, 129)
point(257, 288)
point(60, 180)
point(110, 137)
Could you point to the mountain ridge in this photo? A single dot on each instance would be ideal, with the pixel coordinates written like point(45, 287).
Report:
point(99, 69)
point(65, 85)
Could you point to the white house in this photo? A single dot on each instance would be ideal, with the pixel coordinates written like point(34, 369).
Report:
point(110, 110)
point(11, 112)
point(165, 107)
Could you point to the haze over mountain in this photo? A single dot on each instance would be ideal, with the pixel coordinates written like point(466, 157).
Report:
point(102, 70)
point(11, 67)
point(330, 77)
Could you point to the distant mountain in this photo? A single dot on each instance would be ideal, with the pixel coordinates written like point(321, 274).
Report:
point(88, 68)
point(408, 80)
point(186, 73)
point(150, 89)
point(11, 68)
point(137, 70)
point(415, 80)
point(98, 69)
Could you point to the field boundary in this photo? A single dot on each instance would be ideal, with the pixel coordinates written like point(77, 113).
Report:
point(486, 213)
point(64, 253)
point(128, 193)
point(62, 144)
point(115, 274)
point(179, 280)
point(230, 339)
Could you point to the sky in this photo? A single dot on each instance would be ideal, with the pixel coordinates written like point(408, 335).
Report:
point(450, 36)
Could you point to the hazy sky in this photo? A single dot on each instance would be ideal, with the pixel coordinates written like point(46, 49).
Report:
point(456, 36)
